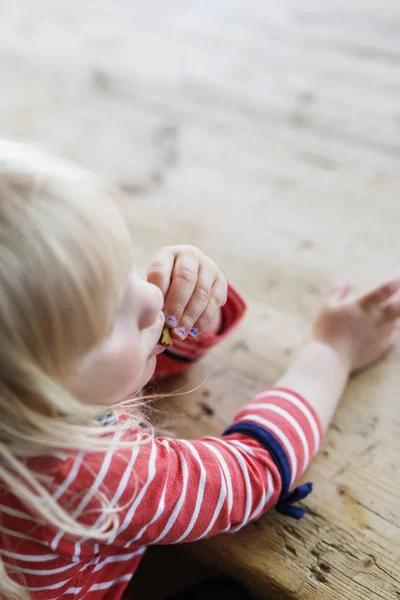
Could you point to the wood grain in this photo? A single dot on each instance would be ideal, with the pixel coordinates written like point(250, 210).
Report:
point(268, 134)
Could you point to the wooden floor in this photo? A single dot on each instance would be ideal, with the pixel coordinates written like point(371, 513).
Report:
point(268, 133)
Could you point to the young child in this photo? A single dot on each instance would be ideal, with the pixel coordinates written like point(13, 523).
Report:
point(85, 486)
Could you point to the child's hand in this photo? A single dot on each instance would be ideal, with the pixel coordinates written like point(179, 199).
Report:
point(194, 289)
point(360, 329)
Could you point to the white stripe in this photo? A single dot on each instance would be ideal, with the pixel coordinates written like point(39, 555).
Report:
point(158, 513)
point(160, 508)
point(125, 477)
point(175, 513)
point(118, 558)
point(261, 505)
point(243, 446)
point(71, 590)
point(85, 501)
point(63, 456)
point(301, 406)
point(266, 497)
point(77, 551)
point(218, 508)
point(48, 571)
point(151, 474)
point(283, 413)
point(245, 472)
point(270, 488)
point(121, 487)
point(100, 476)
point(15, 513)
point(225, 471)
point(62, 488)
point(19, 535)
point(43, 477)
point(92, 562)
point(71, 476)
point(29, 557)
point(282, 437)
point(54, 586)
point(107, 584)
point(76, 558)
point(200, 492)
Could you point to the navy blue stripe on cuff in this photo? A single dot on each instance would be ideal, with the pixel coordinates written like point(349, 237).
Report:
point(180, 358)
point(270, 443)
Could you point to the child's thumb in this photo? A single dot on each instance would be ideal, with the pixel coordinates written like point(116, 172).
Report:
point(340, 289)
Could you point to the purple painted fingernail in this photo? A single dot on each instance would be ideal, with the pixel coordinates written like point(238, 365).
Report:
point(171, 320)
point(194, 332)
point(181, 331)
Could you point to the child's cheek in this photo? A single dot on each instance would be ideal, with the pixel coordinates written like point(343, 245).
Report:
point(135, 369)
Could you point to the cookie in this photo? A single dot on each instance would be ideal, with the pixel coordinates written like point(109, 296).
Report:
point(166, 339)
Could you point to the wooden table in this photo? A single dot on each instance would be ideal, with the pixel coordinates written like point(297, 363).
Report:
point(348, 545)
point(268, 134)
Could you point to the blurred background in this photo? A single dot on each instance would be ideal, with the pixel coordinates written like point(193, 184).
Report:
point(267, 132)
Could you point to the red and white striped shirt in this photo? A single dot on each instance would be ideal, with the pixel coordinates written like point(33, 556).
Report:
point(182, 490)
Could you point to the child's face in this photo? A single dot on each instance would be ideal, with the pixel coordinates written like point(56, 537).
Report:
point(125, 361)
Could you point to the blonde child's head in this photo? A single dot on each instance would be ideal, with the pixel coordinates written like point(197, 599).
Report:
point(77, 323)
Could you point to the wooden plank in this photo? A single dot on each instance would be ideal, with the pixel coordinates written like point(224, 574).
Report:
point(341, 547)
point(268, 134)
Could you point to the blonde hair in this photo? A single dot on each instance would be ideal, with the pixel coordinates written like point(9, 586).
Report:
point(61, 268)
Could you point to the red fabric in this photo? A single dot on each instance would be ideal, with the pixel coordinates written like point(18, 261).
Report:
point(172, 491)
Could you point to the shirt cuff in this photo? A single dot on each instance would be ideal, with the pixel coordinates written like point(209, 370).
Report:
point(288, 427)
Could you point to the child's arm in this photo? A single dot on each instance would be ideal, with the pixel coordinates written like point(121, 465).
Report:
point(187, 490)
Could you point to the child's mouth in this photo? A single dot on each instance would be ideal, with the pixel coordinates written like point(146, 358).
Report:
point(164, 342)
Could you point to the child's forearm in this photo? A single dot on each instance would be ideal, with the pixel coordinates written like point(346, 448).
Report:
point(320, 374)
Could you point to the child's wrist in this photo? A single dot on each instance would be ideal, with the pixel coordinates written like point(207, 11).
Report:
point(340, 349)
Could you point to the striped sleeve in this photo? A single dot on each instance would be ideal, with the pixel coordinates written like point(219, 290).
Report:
point(289, 429)
point(183, 353)
point(180, 491)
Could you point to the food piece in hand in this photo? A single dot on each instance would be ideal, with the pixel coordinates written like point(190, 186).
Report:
point(166, 339)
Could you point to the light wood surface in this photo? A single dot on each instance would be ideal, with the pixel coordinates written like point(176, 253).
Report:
point(268, 133)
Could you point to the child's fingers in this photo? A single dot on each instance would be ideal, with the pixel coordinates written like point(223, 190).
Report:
point(394, 336)
point(379, 294)
point(198, 302)
point(184, 278)
point(391, 307)
point(218, 297)
point(391, 338)
point(160, 269)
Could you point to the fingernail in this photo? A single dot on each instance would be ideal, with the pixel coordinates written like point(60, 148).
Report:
point(194, 332)
point(181, 331)
point(171, 320)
